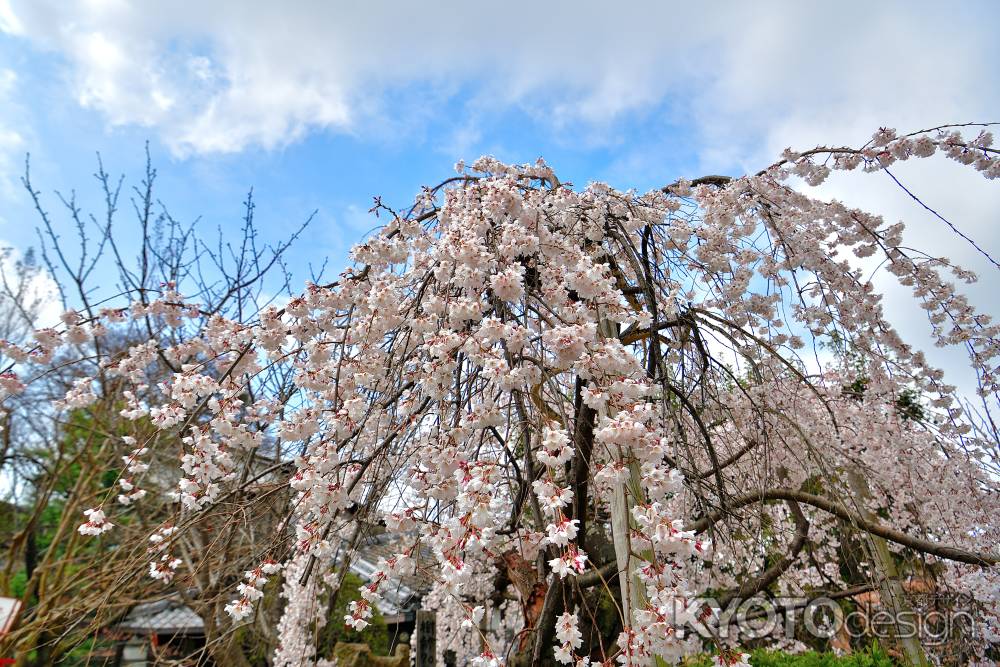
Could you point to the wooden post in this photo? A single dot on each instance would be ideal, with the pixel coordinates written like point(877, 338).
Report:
point(426, 639)
point(889, 583)
point(623, 498)
point(621, 524)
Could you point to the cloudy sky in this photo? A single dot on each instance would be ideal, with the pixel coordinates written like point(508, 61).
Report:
point(321, 105)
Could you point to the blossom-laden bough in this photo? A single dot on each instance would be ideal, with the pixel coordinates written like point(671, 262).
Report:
point(575, 401)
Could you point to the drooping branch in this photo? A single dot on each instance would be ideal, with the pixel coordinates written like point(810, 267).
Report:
point(838, 510)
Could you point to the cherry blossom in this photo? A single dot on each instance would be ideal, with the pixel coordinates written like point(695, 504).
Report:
point(544, 388)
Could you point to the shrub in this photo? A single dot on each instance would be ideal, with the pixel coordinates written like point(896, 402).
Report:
point(376, 635)
point(874, 657)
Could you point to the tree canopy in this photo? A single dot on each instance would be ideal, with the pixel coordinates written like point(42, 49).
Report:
point(586, 408)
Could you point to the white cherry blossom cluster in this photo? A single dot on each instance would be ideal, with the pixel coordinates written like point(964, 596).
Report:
point(251, 590)
point(886, 148)
point(165, 566)
point(568, 638)
point(96, 524)
point(135, 466)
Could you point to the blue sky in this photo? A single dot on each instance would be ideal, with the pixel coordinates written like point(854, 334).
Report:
point(322, 105)
point(335, 172)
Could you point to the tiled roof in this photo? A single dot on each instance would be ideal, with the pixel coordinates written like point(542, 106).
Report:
point(405, 593)
point(163, 617)
point(387, 545)
point(171, 616)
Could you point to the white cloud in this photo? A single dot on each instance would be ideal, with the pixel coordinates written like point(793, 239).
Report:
point(8, 21)
point(223, 75)
point(40, 288)
point(12, 141)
